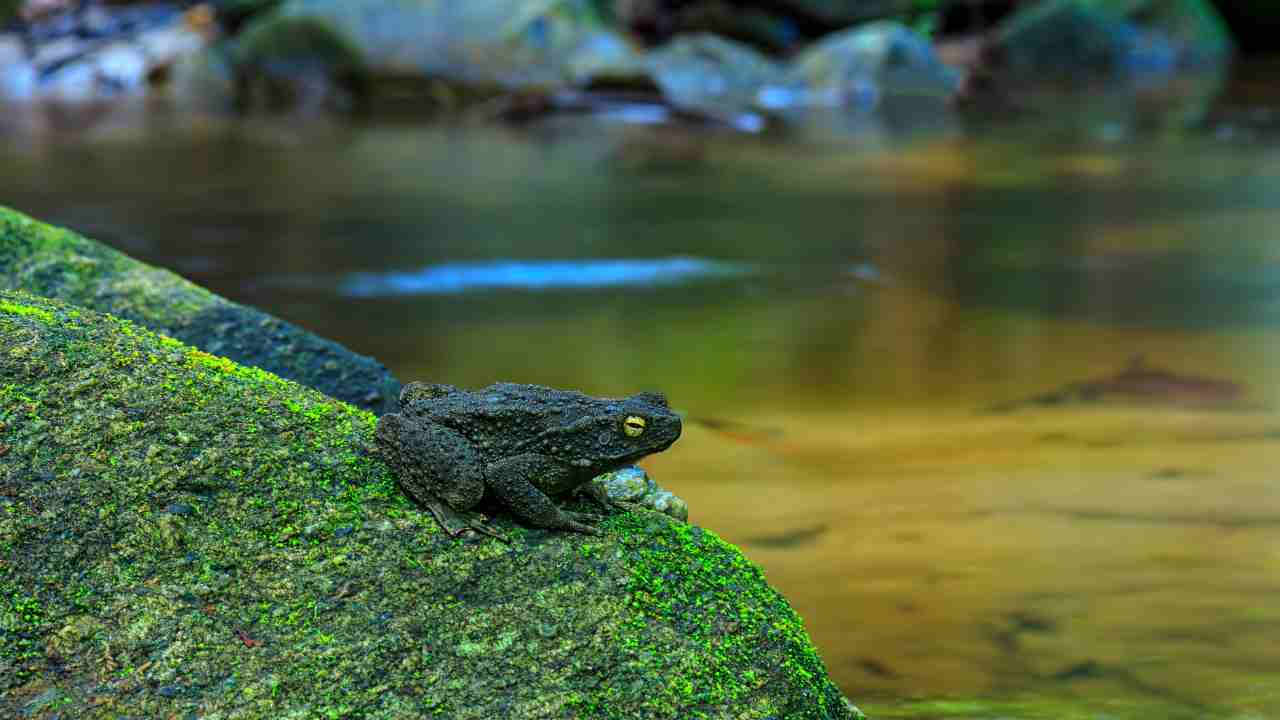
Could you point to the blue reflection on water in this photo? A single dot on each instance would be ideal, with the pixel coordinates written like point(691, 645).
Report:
point(461, 277)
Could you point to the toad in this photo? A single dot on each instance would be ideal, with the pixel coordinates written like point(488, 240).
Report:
point(520, 445)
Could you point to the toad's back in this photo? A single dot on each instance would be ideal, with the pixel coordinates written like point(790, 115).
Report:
point(507, 417)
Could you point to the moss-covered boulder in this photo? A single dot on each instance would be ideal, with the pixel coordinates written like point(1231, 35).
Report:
point(296, 62)
point(479, 44)
point(57, 263)
point(184, 536)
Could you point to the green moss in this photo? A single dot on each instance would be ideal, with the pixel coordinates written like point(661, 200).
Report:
point(16, 309)
point(180, 534)
point(688, 577)
point(57, 263)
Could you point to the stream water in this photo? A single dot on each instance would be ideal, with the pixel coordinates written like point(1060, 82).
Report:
point(998, 416)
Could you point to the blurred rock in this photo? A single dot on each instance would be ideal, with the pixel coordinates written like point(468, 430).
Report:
point(101, 54)
point(861, 67)
point(710, 73)
point(1109, 66)
point(854, 71)
point(296, 62)
point(605, 58)
point(497, 44)
point(1081, 40)
point(122, 67)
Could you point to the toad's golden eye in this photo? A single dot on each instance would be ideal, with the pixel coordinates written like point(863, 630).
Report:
point(633, 426)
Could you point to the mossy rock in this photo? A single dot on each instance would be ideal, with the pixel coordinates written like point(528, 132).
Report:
point(184, 536)
point(282, 62)
point(478, 47)
point(57, 263)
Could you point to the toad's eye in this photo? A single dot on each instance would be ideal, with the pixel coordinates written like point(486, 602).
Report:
point(633, 426)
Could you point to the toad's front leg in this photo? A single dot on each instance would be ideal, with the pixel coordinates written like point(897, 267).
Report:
point(512, 482)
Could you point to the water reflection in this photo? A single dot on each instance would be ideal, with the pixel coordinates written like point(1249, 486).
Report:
point(842, 317)
point(535, 275)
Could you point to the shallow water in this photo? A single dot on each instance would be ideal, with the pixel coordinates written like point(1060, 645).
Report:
point(837, 320)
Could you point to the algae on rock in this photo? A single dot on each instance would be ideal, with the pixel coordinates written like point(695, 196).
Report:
point(181, 534)
point(58, 263)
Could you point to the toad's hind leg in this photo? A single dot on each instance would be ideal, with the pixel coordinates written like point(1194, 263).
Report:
point(511, 482)
point(437, 468)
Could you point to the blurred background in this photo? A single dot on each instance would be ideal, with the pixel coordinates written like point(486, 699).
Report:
point(972, 305)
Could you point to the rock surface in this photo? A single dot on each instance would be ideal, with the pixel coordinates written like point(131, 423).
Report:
point(183, 535)
point(58, 263)
point(76, 58)
point(633, 485)
point(872, 64)
point(500, 43)
point(1085, 39)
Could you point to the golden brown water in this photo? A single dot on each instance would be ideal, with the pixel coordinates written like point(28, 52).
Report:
point(856, 310)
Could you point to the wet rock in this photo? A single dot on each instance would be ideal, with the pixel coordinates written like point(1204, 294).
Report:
point(406, 622)
point(296, 62)
point(479, 44)
point(633, 485)
point(865, 66)
point(606, 58)
point(1105, 68)
point(105, 59)
point(1081, 40)
point(61, 264)
point(667, 503)
point(714, 75)
point(858, 70)
point(123, 67)
point(84, 58)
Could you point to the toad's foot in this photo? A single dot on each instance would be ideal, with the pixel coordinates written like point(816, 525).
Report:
point(455, 524)
point(580, 522)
